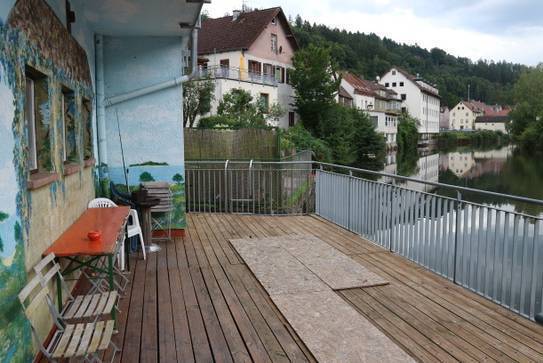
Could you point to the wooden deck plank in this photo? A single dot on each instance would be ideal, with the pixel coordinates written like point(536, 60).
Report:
point(149, 338)
point(196, 301)
point(183, 343)
point(166, 332)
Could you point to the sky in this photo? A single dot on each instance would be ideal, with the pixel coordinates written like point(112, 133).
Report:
point(510, 30)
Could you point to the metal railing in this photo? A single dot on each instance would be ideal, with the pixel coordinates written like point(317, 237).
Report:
point(493, 251)
point(237, 74)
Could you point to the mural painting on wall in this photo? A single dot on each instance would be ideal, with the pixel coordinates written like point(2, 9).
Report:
point(14, 331)
point(24, 45)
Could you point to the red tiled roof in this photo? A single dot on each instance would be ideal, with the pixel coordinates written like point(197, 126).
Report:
point(367, 88)
point(486, 110)
point(225, 34)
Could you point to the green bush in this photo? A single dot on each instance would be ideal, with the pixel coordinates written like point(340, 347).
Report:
point(408, 134)
point(300, 139)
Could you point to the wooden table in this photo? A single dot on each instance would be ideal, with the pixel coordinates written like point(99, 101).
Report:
point(75, 246)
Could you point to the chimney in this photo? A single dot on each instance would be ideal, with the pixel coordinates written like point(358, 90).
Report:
point(236, 14)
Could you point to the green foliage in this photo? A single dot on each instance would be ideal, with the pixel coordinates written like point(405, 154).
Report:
point(481, 139)
point(237, 109)
point(408, 135)
point(527, 115)
point(372, 56)
point(178, 178)
point(146, 177)
point(197, 97)
point(300, 139)
point(3, 216)
point(315, 81)
point(150, 163)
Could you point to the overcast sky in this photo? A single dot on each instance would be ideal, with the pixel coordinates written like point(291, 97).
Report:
point(509, 30)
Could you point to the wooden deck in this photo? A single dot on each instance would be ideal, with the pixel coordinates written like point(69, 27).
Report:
point(195, 300)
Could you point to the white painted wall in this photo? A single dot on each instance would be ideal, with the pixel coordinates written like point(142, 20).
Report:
point(462, 117)
point(491, 126)
point(420, 105)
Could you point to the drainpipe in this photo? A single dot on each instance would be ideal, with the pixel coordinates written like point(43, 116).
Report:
point(100, 106)
point(111, 101)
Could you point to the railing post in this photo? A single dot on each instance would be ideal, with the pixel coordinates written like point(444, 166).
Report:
point(349, 201)
point(251, 180)
point(391, 235)
point(226, 203)
point(457, 232)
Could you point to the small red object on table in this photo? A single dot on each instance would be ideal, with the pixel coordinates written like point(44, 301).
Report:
point(74, 244)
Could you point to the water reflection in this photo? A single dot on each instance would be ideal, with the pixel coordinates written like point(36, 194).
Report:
point(504, 170)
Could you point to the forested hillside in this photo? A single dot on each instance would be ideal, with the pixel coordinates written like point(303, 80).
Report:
point(371, 56)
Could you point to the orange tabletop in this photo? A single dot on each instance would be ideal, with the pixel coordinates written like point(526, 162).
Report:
point(74, 241)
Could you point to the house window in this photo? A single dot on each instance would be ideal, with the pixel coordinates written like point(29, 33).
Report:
point(291, 119)
point(86, 124)
point(394, 72)
point(404, 96)
point(254, 67)
point(401, 84)
point(225, 63)
point(274, 47)
point(37, 121)
point(387, 84)
point(265, 101)
point(274, 21)
point(68, 126)
point(280, 74)
point(268, 69)
point(287, 76)
point(393, 84)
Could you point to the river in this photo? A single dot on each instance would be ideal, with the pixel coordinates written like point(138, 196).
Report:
point(505, 170)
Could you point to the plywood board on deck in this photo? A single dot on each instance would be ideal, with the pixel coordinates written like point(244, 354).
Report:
point(334, 331)
point(333, 267)
point(276, 269)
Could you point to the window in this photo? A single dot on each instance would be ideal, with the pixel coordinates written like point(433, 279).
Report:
point(268, 69)
point(265, 101)
point(404, 96)
point(393, 84)
point(68, 126)
point(274, 47)
point(254, 67)
point(225, 63)
point(387, 84)
point(401, 84)
point(393, 72)
point(36, 99)
point(287, 76)
point(86, 124)
point(291, 119)
point(280, 74)
point(274, 21)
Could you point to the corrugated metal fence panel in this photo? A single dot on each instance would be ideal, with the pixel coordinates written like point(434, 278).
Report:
point(490, 251)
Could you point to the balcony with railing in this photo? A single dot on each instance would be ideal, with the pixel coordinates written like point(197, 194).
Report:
point(237, 74)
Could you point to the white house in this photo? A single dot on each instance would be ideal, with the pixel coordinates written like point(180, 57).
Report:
point(382, 104)
point(477, 115)
point(253, 51)
point(419, 98)
point(463, 115)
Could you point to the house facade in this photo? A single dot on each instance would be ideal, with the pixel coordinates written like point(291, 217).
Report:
point(419, 98)
point(382, 104)
point(78, 81)
point(477, 115)
point(253, 51)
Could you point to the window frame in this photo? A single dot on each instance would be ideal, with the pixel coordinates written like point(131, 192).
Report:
point(30, 100)
point(274, 43)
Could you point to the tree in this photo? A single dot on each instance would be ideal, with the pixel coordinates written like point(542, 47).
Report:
point(527, 115)
point(316, 83)
point(197, 97)
point(3, 216)
point(146, 177)
point(238, 109)
point(178, 178)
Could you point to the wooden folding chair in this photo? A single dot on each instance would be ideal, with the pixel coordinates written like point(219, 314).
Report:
point(84, 341)
point(91, 306)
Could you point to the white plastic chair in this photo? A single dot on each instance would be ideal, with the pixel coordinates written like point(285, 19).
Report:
point(102, 203)
point(133, 229)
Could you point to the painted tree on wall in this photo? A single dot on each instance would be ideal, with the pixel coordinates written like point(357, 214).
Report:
point(146, 177)
point(197, 97)
point(3, 217)
point(178, 178)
